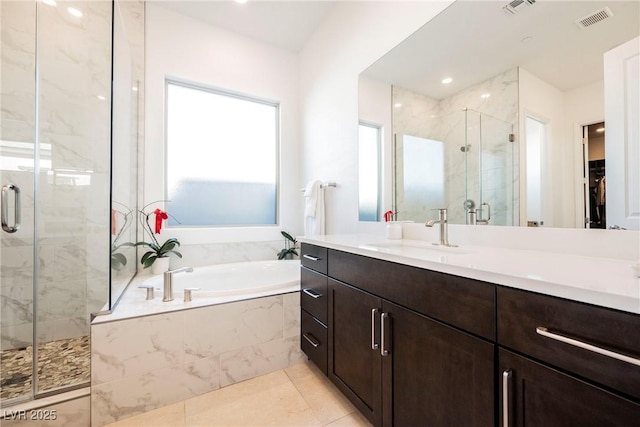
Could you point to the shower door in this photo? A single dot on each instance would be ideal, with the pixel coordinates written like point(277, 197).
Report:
point(55, 174)
point(17, 165)
point(489, 168)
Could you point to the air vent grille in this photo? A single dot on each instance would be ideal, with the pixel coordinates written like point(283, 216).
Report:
point(594, 18)
point(513, 6)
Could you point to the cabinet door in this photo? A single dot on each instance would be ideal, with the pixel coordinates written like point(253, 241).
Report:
point(534, 395)
point(354, 365)
point(438, 375)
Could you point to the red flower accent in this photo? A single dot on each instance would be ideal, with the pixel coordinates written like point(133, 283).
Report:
point(160, 215)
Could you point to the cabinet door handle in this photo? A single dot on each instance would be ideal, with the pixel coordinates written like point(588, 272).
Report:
point(312, 340)
point(311, 257)
point(383, 344)
point(312, 293)
point(540, 330)
point(374, 344)
point(5, 208)
point(506, 382)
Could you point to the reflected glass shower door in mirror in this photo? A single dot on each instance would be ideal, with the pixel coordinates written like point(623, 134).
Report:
point(464, 164)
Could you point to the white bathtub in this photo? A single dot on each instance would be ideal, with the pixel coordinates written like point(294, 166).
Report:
point(233, 279)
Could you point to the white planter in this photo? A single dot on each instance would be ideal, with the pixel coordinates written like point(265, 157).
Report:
point(160, 265)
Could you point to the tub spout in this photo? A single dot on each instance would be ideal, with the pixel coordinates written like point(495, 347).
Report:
point(168, 282)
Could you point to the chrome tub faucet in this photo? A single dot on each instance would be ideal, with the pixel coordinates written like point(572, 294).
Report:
point(168, 282)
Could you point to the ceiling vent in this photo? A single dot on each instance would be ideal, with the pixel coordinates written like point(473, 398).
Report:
point(516, 5)
point(594, 17)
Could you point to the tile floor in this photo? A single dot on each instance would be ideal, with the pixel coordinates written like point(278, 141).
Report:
point(297, 396)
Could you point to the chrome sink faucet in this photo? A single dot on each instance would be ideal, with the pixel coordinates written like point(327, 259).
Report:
point(168, 282)
point(444, 231)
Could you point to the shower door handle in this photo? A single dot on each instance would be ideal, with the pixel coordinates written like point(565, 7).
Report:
point(5, 208)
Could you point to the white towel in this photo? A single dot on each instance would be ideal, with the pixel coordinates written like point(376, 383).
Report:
point(313, 209)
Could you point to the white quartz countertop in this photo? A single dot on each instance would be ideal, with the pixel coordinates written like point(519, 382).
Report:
point(599, 281)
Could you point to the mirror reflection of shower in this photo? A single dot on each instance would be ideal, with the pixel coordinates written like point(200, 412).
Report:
point(468, 155)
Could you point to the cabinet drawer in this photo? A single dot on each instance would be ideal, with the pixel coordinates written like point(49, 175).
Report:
point(537, 395)
point(313, 340)
point(313, 294)
point(465, 303)
point(314, 257)
point(526, 319)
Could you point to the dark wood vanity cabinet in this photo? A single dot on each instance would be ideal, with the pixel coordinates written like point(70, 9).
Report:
point(313, 303)
point(413, 347)
point(533, 394)
point(550, 367)
point(400, 367)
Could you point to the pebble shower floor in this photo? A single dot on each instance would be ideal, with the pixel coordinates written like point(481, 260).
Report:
point(60, 363)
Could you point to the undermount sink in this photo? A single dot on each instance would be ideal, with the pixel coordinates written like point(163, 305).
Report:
point(416, 249)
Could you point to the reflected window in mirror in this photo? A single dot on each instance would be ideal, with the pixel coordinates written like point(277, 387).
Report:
point(535, 137)
point(420, 177)
point(222, 151)
point(369, 141)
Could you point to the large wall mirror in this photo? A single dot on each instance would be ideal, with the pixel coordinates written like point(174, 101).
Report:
point(495, 112)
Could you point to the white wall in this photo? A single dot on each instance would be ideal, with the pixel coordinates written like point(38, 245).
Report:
point(352, 37)
point(566, 113)
point(187, 49)
point(545, 103)
point(583, 106)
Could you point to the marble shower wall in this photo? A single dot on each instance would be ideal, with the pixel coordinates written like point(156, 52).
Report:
point(445, 120)
point(17, 148)
point(144, 363)
point(73, 171)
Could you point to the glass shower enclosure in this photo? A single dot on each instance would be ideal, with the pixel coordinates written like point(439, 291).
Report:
point(462, 161)
point(55, 177)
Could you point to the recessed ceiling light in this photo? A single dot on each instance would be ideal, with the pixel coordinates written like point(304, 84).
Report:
point(134, 88)
point(447, 80)
point(101, 98)
point(75, 12)
point(600, 130)
point(397, 105)
point(485, 95)
point(240, 1)
point(50, 2)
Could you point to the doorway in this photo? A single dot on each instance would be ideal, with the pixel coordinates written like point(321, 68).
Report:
point(594, 175)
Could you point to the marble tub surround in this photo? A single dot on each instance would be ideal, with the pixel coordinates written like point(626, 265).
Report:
point(133, 303)
point(593, 279)
point(144, 363)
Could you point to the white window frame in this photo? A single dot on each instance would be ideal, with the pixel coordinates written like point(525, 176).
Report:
point(212, 234)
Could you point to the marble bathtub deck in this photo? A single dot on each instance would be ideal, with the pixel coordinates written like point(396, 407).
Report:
point(297, 396)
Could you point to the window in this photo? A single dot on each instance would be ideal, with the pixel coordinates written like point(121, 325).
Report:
point(369, 172)
point(222, 152)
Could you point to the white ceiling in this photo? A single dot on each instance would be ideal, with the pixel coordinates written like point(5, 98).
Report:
point(472, 41)
point(286, 24)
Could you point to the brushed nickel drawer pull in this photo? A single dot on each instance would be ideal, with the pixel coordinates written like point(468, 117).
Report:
point(312, 293)
point(545, 333)
point(506, 381)
point(311, 257)
point(312, 340)
point(374, 344)
point(383, 350)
